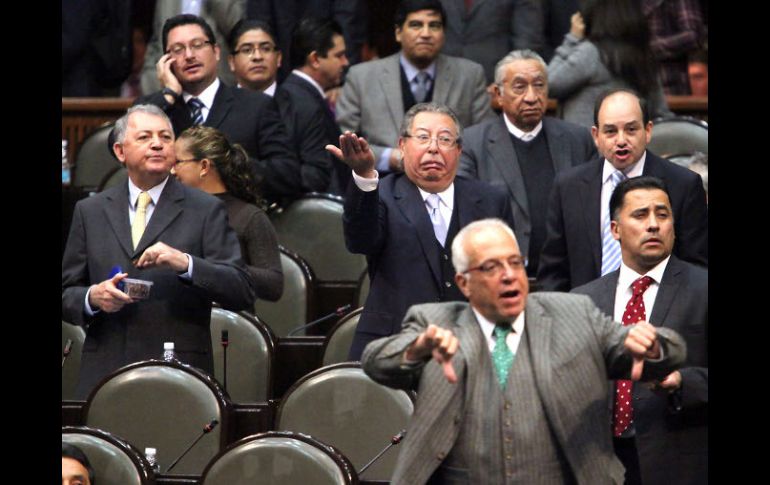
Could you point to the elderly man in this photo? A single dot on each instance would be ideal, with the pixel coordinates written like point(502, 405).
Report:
point(521, 150)
point(378, 93)
point(405, 222)
point(579, 246)
point(152, 228)
point(664, 440)
point(512, 388)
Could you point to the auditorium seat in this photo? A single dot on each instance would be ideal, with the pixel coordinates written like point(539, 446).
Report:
point(69, 372)
point(340, 337)
point(679, 135)
point(94, 159)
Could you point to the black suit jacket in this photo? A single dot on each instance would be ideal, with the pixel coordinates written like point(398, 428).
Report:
point(391, 226)
point(572, 253)
point(311, 126)
point(177, 310)
point(671, 430)
point(251, 119)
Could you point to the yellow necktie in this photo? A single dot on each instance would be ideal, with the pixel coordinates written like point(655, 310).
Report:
point(137, 229)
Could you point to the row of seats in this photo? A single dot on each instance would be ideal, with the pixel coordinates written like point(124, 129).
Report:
point(141, 404)
point(250, 353)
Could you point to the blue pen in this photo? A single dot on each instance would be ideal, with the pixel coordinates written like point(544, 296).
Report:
point(115, 270)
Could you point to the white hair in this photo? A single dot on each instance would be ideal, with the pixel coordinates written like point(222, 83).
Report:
point(122, 124)
point(460, 258)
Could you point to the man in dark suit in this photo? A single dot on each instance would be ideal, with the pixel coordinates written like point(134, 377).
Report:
point(157, 230)
point(521, 150)
point(319, 62)
point(404, 223)
point(254, 56)
point(667, 439)
point(579, 246)
point(193, 94)
point(512, 387)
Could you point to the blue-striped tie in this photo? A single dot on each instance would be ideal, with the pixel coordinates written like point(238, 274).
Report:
point(196, 111)
point(610, 247)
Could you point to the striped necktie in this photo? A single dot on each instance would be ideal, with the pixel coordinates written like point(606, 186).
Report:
point(610, 247)
point(196, 111)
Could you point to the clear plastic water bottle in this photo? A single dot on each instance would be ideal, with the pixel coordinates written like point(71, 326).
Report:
point(66, 173)
point(168, 352)
point(152, 459)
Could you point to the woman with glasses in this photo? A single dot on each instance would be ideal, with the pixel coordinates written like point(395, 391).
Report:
point(208, 161)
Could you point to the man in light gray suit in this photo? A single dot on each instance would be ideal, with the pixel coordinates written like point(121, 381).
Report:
point(377, 93)
point(506, 395)
point(521, 150)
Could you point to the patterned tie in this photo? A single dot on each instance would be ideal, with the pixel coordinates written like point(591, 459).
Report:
point(420, 90)
point(196, 111)
point(502, 356)
point(624, 410)
point(137, 228)
point(439, 224)
point(610, 247)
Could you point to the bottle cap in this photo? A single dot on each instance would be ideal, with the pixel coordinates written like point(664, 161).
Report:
point(168, 345)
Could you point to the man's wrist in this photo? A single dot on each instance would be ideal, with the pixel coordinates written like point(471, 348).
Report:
point(167, 91)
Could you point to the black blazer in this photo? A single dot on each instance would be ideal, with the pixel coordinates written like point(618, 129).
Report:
point(177, 311)
point(391, 226)
point(572, 253)
point(671, 430)
point(251, 119)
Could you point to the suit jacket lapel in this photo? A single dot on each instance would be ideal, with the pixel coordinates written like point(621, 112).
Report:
point(605, 297)
point(669, 287)
point(223, 101)
point(468, 332)
point(168, 208)
point(409, 201)
point(503, 156)
point(590, 200)
point(537, 331)
point(390, 83)
point(117, 214)
point(556, 145)
point(444, 80)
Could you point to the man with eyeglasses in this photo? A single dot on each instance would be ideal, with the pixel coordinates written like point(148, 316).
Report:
point(512, 387)
point(404, 223)
point(377, 93)
point(192, 94)
point(522, 149)
point(254, 56)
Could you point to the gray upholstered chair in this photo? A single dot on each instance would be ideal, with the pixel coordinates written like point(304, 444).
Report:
point(163, 405)
point(71, 367)
point(293, 308)
point(363, 288)
point(250, 354)
point(94, 159)
point(116, 176)
point(359, 417)
point(679, 135)
point(312, 227)
point(114, 460)
point(340, 337)
point(278, 458)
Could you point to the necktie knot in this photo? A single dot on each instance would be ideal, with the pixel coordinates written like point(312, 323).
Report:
point(421, 86)
point(143, 201)
point(433, 201)
point(502, 330)
point(617, 177)
point(640, 285)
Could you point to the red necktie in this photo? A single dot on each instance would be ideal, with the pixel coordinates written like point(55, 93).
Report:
point(624, 410)
point(468, 5)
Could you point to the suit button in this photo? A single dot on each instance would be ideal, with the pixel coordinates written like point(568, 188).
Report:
point(441, 455)
point(457, 419)
point(507, 423)
point(447, 284)
point(507, 405)
point(446, 257)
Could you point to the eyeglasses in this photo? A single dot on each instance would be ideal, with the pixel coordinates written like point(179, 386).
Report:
point(495, 268)
point(196, 45)
point(177, 162)
point(248, 50)
point(443, 141)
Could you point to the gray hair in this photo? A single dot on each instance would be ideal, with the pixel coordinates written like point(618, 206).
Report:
point(121, 125)
point(518, 55)
point(431, 107)
point(699, 163)
point(460, 258)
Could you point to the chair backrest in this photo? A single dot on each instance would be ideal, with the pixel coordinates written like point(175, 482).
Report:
point(71, 368)
point(163, 405)
point(116, 176)
point(358, 416)
point(114, 460)
point(679, 135)
point(340, 337)
point(312, 227)
point(94, 159)
point(277, 458)
point(294, 306)
point(363, 288)
point(250, 354)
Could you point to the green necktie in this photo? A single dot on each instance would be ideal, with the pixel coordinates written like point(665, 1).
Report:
point(502, 356)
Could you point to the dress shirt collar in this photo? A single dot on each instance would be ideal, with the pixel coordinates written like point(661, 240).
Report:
point(207, 96)
point(411, 70)
point(628, 276)
point(309, 79)
point(134, 191)
point(522, 135)
point(634, 170)
point(488, 328)
point(447, 196)
point(270, 90)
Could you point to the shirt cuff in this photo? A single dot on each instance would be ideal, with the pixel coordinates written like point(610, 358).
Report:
point(89, 311)
point(383, 164)
point(365, 184)
point(188, 275)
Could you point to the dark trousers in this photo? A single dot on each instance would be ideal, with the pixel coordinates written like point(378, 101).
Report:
point(625, 450)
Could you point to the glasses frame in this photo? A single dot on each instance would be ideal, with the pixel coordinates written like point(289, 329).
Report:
point(456, 140)
point(190, 46)
point(271, 49)
point(499, 267)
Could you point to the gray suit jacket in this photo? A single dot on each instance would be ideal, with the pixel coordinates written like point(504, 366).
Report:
point(488, 155)
point(371, 104)
point(575, 349)
point(671, 430)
